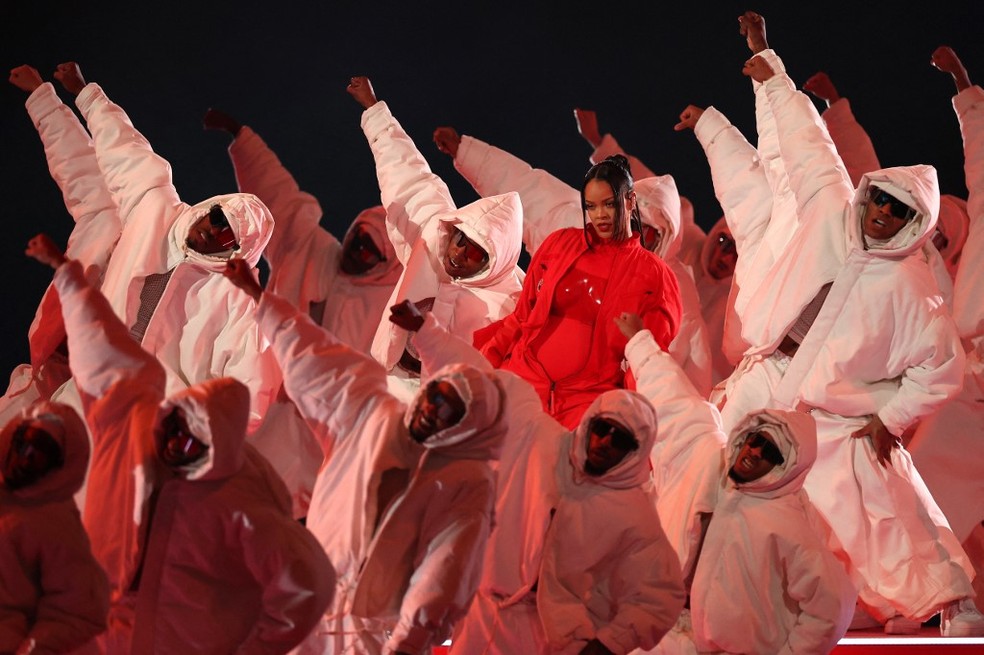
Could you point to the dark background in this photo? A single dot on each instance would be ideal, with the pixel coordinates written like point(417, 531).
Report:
point(507, 73)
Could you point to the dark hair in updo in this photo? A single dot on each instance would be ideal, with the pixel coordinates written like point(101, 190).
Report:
point(614, 170)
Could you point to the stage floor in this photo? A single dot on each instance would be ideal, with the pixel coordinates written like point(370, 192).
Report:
point(875, 642)
point(927, 642)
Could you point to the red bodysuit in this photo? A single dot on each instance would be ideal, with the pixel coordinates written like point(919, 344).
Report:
point(562, 337)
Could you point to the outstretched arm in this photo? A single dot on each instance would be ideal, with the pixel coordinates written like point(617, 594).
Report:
point(549, 204)
point(410, 192)
point(435, 345)
point(605, 145)
point(72, 164)
point(70, 76)
point(216, 119)
point(850, 138)
point(752, 27)
point(946, 60)
point(688, 457)
point(587, 126)
point(968, 288)
point(330, 382)
point(303, 256)
point(737, 173)
point(44, 250)
point(298, 236)
point(447, 140)
point(26, 78)
point(107, 364)
point(131, 170)
point(240, 273)
point(816, 172)
point(821, 86)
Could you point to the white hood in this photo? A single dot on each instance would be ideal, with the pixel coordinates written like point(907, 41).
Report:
point(480, 432)
point(496, 224)
point(794, 433)
point(249, 218)
point(918, 187)
point(659, 207)
point(636, 413)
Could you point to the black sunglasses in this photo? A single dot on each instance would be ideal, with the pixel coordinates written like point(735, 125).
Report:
point(219, 221)
point(217, 217)
point(770, 451)
point(898, 209)
point(473, 251)
point(363, 241)
point(621, 438)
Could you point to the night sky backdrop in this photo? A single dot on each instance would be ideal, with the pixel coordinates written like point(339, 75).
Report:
point(507, 73)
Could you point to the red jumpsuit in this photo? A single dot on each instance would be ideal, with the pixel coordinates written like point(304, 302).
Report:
point(567, 345)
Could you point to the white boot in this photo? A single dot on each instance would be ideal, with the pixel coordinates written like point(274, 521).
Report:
point(961, 618)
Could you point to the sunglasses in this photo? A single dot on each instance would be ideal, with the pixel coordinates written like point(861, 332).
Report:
point(897, 208)
point(362, 241)
point(443, 403)
point(180, 445)
point(473, 251)
point(770, 452)
point(226, 238)
point(621, 438)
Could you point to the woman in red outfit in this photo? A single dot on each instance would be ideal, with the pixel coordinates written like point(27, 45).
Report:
point(562, 337)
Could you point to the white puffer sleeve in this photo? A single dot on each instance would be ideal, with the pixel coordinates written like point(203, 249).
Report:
point(332, 384)
point(106, 362)
point(688, 456)
point(72, 164)
point(411, 194)
point(851, 140)
point(298, 243)
point(739, 179)
point(131, 169)
point(548, 203)
point(968, 308)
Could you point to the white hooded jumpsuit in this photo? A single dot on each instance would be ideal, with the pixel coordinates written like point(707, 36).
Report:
point(946, 445)
point(404, 524)
point(72, 164)
point(204, 558)
point(855, 148)
point(202, 327)
point(687, 456)
point(573, 557)
point(883, 343)
point(304, 260)
point(52, 590)
point(766, 581)
point(421, 218)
